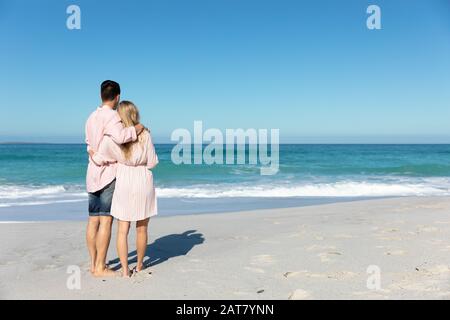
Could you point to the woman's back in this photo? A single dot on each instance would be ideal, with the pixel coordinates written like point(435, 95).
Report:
point(140, 153)
point(134, 196)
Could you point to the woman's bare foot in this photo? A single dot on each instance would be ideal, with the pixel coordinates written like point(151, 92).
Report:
point(126, 273)
point(139, 267)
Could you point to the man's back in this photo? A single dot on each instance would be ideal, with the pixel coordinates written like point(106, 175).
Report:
point(96, 125)
point(104, 121)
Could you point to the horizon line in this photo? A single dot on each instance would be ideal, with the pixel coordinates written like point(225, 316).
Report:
point(281, 143)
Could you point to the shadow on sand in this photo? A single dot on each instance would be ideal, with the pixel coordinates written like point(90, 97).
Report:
point(164, 248)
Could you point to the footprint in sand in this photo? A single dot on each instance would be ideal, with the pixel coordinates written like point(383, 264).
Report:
point(338, 275)
point(395, 253)
point(390, 230)
point(4, 263)
point(256, 270)
point(373, 294)
point(437, 270)
point(430, 206)
point(290, 274)
point(272, 221)
point(436, 242)
point(269, 241)
point(303, 273)
point(429, 279)
point(316, 247)
point(388, 234)
point(296, 235)
point(402, 209)
point(383, 236)
point(342, 275)
point(420, 287)
point(442, 222)
point(326, 256)
point(240, 238)
point(422, 228)
point(262, 259)
point(344, 236)
point(300, 294)
point(141, 276)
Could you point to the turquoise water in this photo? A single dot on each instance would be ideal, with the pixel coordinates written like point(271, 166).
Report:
point(37, 174)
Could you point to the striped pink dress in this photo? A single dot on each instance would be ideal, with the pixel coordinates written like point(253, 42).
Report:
point(134, 196)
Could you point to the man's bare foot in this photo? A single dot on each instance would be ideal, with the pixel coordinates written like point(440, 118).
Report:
point(105, 272)
point(92, 268)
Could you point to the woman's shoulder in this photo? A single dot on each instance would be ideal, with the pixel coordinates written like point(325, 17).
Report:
point(107, 140)
point(146, 133)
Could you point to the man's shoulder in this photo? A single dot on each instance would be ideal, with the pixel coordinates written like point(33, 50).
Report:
point(96, 113)
point(92, 116)
point(104, 114)
point(108, 113)
point(110, 116)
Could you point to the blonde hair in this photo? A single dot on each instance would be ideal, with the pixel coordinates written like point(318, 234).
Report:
point(129, 114)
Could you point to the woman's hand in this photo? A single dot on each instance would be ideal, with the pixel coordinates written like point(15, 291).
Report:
point(91, 153)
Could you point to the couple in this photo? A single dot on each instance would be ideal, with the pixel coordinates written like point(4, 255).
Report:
point(119, 182)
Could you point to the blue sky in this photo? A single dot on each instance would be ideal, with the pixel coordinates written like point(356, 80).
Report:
point(310, 68)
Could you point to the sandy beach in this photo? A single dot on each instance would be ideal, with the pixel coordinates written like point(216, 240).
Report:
point(314, 252)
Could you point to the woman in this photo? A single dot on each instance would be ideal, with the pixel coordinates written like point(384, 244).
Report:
point(134, 197)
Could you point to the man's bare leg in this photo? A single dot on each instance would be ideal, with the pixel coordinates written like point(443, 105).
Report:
point(102, 244)
point(91, 236)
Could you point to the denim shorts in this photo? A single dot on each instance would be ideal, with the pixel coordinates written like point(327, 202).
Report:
point(100, 201)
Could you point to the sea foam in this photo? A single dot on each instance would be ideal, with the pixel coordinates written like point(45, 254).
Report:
point(338, 189)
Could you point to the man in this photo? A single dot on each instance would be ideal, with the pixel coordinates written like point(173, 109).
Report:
point(100, 180)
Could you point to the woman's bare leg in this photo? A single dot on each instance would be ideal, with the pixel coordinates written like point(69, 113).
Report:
point(141, 242)
point(122, 246)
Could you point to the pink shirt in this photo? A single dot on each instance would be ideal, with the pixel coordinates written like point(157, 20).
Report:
point(143, 153)
point(104, 121)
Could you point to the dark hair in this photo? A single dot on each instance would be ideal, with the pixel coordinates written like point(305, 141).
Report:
point(109, 90)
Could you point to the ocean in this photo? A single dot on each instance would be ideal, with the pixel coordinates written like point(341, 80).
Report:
point(37, 175)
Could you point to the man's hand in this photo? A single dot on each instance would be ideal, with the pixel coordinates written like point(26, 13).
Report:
point(139, 128)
